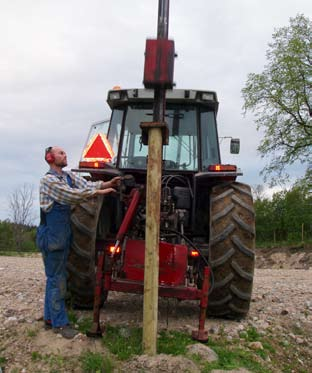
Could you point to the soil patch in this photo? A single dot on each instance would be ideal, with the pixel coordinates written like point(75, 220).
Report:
point(288, 257)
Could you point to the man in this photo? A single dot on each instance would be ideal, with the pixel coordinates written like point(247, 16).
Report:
point(59, 190)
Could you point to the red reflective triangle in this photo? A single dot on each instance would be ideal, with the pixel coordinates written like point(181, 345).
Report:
point(98, 149)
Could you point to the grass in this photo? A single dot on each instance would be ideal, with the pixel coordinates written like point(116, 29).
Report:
point(94, 362)
point(89, 362)
point(126, 342)
point(233, 356)
point(2, 361)
point(56, 362)
point(32, 333)
point(84, 323)
point(250, 335)
point(18, 253)
point(35, 356)
point(123, 342)
point(173, 342)
point(235, 359)
point(72, 317)
point(288, 355)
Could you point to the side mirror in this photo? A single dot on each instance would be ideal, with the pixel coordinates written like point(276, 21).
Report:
point(235, 145)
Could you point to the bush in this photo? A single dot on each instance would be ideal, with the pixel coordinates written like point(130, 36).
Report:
point(27, 237)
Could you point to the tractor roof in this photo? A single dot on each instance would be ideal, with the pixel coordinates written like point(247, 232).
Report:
point(122, 97)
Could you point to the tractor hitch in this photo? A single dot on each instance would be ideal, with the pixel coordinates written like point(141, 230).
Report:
point(201, 334)
point(95, 331)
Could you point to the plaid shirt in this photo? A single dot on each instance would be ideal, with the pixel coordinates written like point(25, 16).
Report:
point(54, 188)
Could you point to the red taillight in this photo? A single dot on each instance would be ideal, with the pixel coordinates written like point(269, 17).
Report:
point(222, 167)
point(112, 248)
point(194, 253)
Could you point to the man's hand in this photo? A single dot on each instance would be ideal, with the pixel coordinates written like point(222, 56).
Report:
point(105, 191)
point(113, 183)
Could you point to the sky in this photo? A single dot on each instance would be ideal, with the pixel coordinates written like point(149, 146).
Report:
point(59, 58)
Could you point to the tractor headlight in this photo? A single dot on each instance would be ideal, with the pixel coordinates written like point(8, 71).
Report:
point(114, 95)
point(207, 96)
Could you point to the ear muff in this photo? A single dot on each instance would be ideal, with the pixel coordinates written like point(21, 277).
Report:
point(49, 156)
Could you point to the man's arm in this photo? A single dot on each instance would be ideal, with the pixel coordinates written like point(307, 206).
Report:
point(58, 190)
point(53, 188)
point(81, 182)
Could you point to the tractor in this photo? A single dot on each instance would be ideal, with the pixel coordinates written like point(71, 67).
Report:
point(206, 217)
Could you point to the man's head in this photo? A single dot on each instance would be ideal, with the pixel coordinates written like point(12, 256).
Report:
point(56, 156)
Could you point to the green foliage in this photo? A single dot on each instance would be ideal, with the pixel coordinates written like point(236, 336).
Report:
point(27, 237)
point(56, 362)
point(2, 361)
point(72, 317)
point(32, 333)
point(122, 341)
point(280, 96)
point(93, 362)
point(251, 334)
point(282, 218)
point(232, 357)
point(173, 342)
point(84, 324)
point(125, 342)
point(35, 355)
point(6, 236)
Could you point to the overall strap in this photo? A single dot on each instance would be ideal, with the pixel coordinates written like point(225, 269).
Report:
point(43, 219)
point(70, 181)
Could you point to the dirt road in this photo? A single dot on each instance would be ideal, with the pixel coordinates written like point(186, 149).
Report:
point(281, 304)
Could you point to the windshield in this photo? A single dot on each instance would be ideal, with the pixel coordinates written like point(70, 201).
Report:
point(185, 123)
point(180, 154)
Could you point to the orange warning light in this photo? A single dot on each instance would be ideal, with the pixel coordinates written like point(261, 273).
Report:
point(222, 167)
point(194, 253)
point(111, 249)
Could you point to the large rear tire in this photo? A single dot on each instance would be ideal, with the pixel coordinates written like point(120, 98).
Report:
point(231, 250)
point(81, 264)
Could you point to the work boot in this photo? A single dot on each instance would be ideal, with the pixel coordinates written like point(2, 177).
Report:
point(47, 325)
point(66, 331)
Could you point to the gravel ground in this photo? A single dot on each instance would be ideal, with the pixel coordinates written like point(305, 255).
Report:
point(282, 304)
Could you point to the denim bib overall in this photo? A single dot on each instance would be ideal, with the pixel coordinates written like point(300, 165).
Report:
point(53, 240)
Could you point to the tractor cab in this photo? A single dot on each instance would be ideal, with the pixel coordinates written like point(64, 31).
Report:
point(193, 145)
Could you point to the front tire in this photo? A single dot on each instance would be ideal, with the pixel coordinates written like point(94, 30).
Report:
point(231, 250)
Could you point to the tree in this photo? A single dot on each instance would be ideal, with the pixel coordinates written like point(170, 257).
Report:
point(21, 203)
point(306, 181)
point(6, 236)
point(281, 97)
point(258, 192)
point(284, 216)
